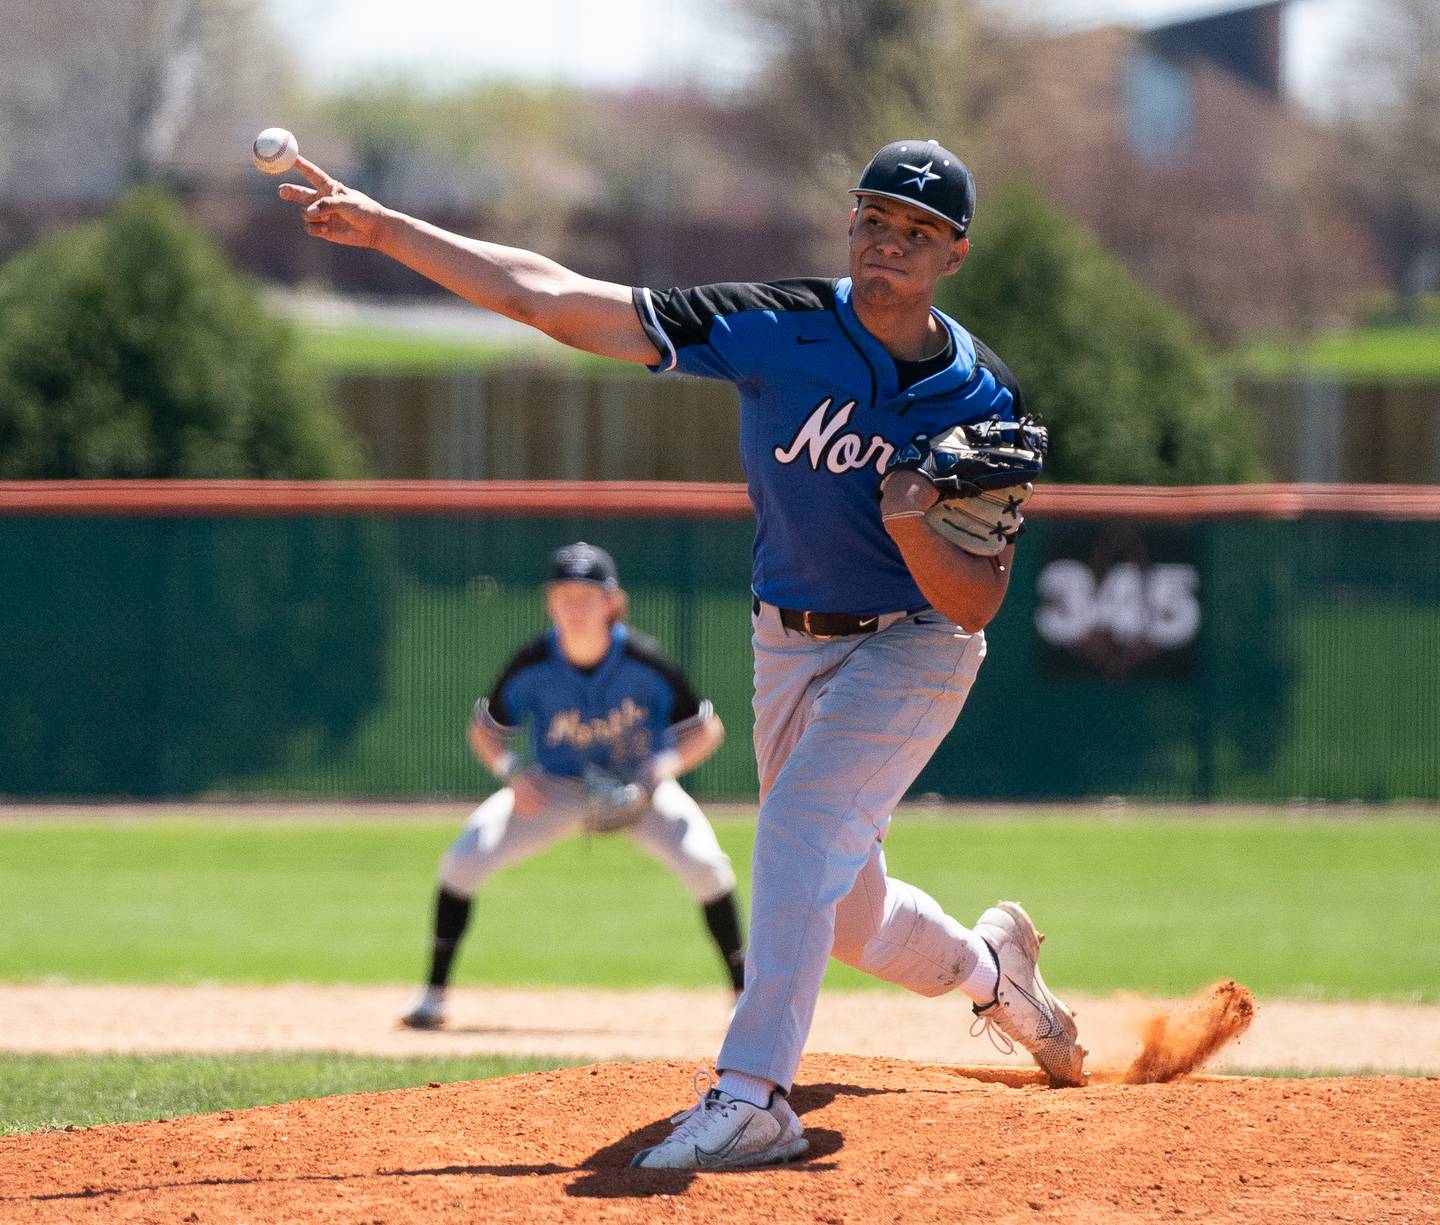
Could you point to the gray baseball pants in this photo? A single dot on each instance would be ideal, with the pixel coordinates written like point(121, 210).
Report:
point(842, 728)
point(673, 830)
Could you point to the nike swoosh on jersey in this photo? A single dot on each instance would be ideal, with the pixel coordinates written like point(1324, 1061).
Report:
point(1051, 1027)
point(705, 1158)
point(867, 621)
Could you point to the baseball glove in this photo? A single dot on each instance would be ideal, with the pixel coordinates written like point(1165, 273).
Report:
point(612, 804)
point(983, 472)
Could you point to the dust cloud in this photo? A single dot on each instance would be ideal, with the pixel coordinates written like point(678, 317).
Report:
point(1180, 1038)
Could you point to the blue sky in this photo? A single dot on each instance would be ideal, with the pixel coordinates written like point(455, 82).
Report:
point(621, 42)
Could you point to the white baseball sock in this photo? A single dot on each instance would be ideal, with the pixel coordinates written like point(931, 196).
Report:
point(983, 981)
point(753, 1089)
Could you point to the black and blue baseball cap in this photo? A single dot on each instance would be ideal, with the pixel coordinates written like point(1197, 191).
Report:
point(925, 175)
point(583, 563)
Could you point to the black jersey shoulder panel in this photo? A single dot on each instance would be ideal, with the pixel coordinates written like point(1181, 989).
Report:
point(536, 651)
point(645, 650)
point(687, 315)
point(987, 359)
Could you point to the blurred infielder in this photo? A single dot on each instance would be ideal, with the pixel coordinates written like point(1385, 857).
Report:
point(887, 460)
point(611, 722)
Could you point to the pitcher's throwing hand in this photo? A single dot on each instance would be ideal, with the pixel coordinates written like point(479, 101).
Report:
point(333, 211)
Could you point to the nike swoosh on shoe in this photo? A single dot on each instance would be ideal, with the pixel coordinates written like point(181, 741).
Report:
point(1052, 1027)
point(708, 1159)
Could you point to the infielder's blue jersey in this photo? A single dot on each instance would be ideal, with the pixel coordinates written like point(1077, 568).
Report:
point(821, 411)
point(614, 716)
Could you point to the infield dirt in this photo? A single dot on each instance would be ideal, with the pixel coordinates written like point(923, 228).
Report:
point(589, 1025)
point(891, 1141)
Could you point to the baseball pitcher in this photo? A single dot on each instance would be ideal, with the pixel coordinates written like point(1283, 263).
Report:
point(611, 723)
point(888, 459)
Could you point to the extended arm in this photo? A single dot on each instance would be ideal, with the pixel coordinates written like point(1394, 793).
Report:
point(966, 588)
point(596, 316)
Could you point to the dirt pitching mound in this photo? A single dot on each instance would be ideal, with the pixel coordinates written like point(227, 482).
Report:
point(890, 1141)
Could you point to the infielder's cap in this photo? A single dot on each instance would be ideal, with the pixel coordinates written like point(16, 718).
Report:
point(925, 175)
point(583, 563)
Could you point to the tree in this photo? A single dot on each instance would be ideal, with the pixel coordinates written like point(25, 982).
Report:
point(164, 657)
point(128, 348)
point(97, 97)
point(1389, 86)
point(1117, 374)
point(851, 75)
point(1130, 398)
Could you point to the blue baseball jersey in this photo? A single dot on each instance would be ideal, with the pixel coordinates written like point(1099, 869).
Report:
point(822, 409)
point(613, 716)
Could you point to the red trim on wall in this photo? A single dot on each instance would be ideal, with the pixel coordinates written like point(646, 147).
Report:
point(1236, 501)
point(662, 499)
point(515, 498)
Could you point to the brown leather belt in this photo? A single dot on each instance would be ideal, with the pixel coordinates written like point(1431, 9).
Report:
point(833, 625)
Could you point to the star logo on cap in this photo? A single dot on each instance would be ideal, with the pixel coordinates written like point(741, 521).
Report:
point(923, 175)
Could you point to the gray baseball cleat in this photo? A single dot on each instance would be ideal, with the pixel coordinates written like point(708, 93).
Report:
point(426, 1010)
point(1024, 1010)
point(723, 1133)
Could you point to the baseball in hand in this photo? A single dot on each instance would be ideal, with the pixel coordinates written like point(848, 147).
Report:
point(275, 151)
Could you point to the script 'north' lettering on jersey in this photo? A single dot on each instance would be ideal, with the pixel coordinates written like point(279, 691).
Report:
point(822, 442)
point(611, 717)
point(617, 725)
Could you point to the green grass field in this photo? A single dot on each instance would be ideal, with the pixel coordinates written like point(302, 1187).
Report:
point(1163, 902)
point(1327, 908)
point(374, 350)
point(45, 1093)
point(1384, 354)
point(1378, 353)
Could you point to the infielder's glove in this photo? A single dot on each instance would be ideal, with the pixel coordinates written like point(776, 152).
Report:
point(983, 472)
point(611, 803)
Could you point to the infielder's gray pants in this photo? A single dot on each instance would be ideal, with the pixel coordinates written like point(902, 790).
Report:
point(673, 830)
point(842, 728)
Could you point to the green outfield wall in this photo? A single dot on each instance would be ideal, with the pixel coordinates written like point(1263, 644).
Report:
point(339, 653)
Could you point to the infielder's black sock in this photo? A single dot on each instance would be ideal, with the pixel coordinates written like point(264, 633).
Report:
point(722, 917)
point(452, 913)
